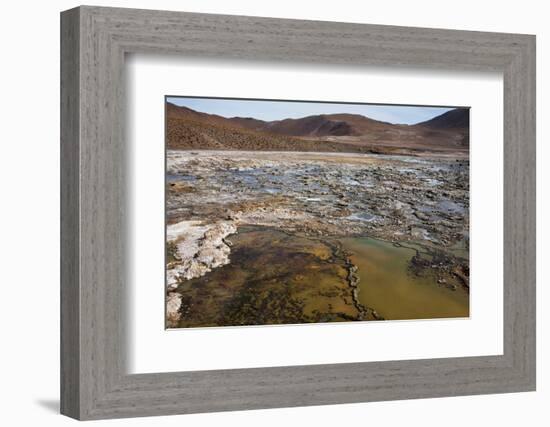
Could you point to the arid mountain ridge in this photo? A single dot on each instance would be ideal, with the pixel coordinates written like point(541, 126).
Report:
point(190, 129)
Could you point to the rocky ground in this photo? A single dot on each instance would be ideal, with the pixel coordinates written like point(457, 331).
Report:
point(210, 194)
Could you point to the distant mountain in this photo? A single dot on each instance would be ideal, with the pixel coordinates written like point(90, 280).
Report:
point(310, 126)
point(455, 122)
point(188, 128)
point(459, 118)
point(249, 123)
point(184, 113)
point(327, 125)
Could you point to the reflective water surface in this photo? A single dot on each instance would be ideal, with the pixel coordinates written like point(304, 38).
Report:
point(388, 285)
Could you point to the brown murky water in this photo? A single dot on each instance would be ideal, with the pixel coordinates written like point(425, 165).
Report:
point(388, 286)
point(272, 278)
point(278, 278)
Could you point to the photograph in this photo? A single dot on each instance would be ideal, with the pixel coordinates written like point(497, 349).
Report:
point(295, 212)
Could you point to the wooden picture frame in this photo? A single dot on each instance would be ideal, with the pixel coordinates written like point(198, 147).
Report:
point(94, 382)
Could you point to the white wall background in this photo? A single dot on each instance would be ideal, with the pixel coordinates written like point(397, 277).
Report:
point(29, 225)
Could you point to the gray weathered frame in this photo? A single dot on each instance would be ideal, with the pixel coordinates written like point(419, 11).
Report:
point(94, 41)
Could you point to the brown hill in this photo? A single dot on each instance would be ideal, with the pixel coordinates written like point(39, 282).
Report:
point(187, 129)
point(312, 126)
point(184, 113)
point(454, 123)
point(316, 126)
point(459, 118)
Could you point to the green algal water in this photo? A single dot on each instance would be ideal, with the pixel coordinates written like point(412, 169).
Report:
point(388, 285)
point(275, 277)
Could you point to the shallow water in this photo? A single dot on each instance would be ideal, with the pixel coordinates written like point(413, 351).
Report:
point(272, 278)
point(280, 278)
point(387, 285)
point(180, 177)
point(362, 216)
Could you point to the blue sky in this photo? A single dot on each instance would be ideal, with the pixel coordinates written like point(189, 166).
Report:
point(277, 110)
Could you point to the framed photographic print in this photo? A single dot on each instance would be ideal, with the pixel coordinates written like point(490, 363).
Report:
point(262, 213)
